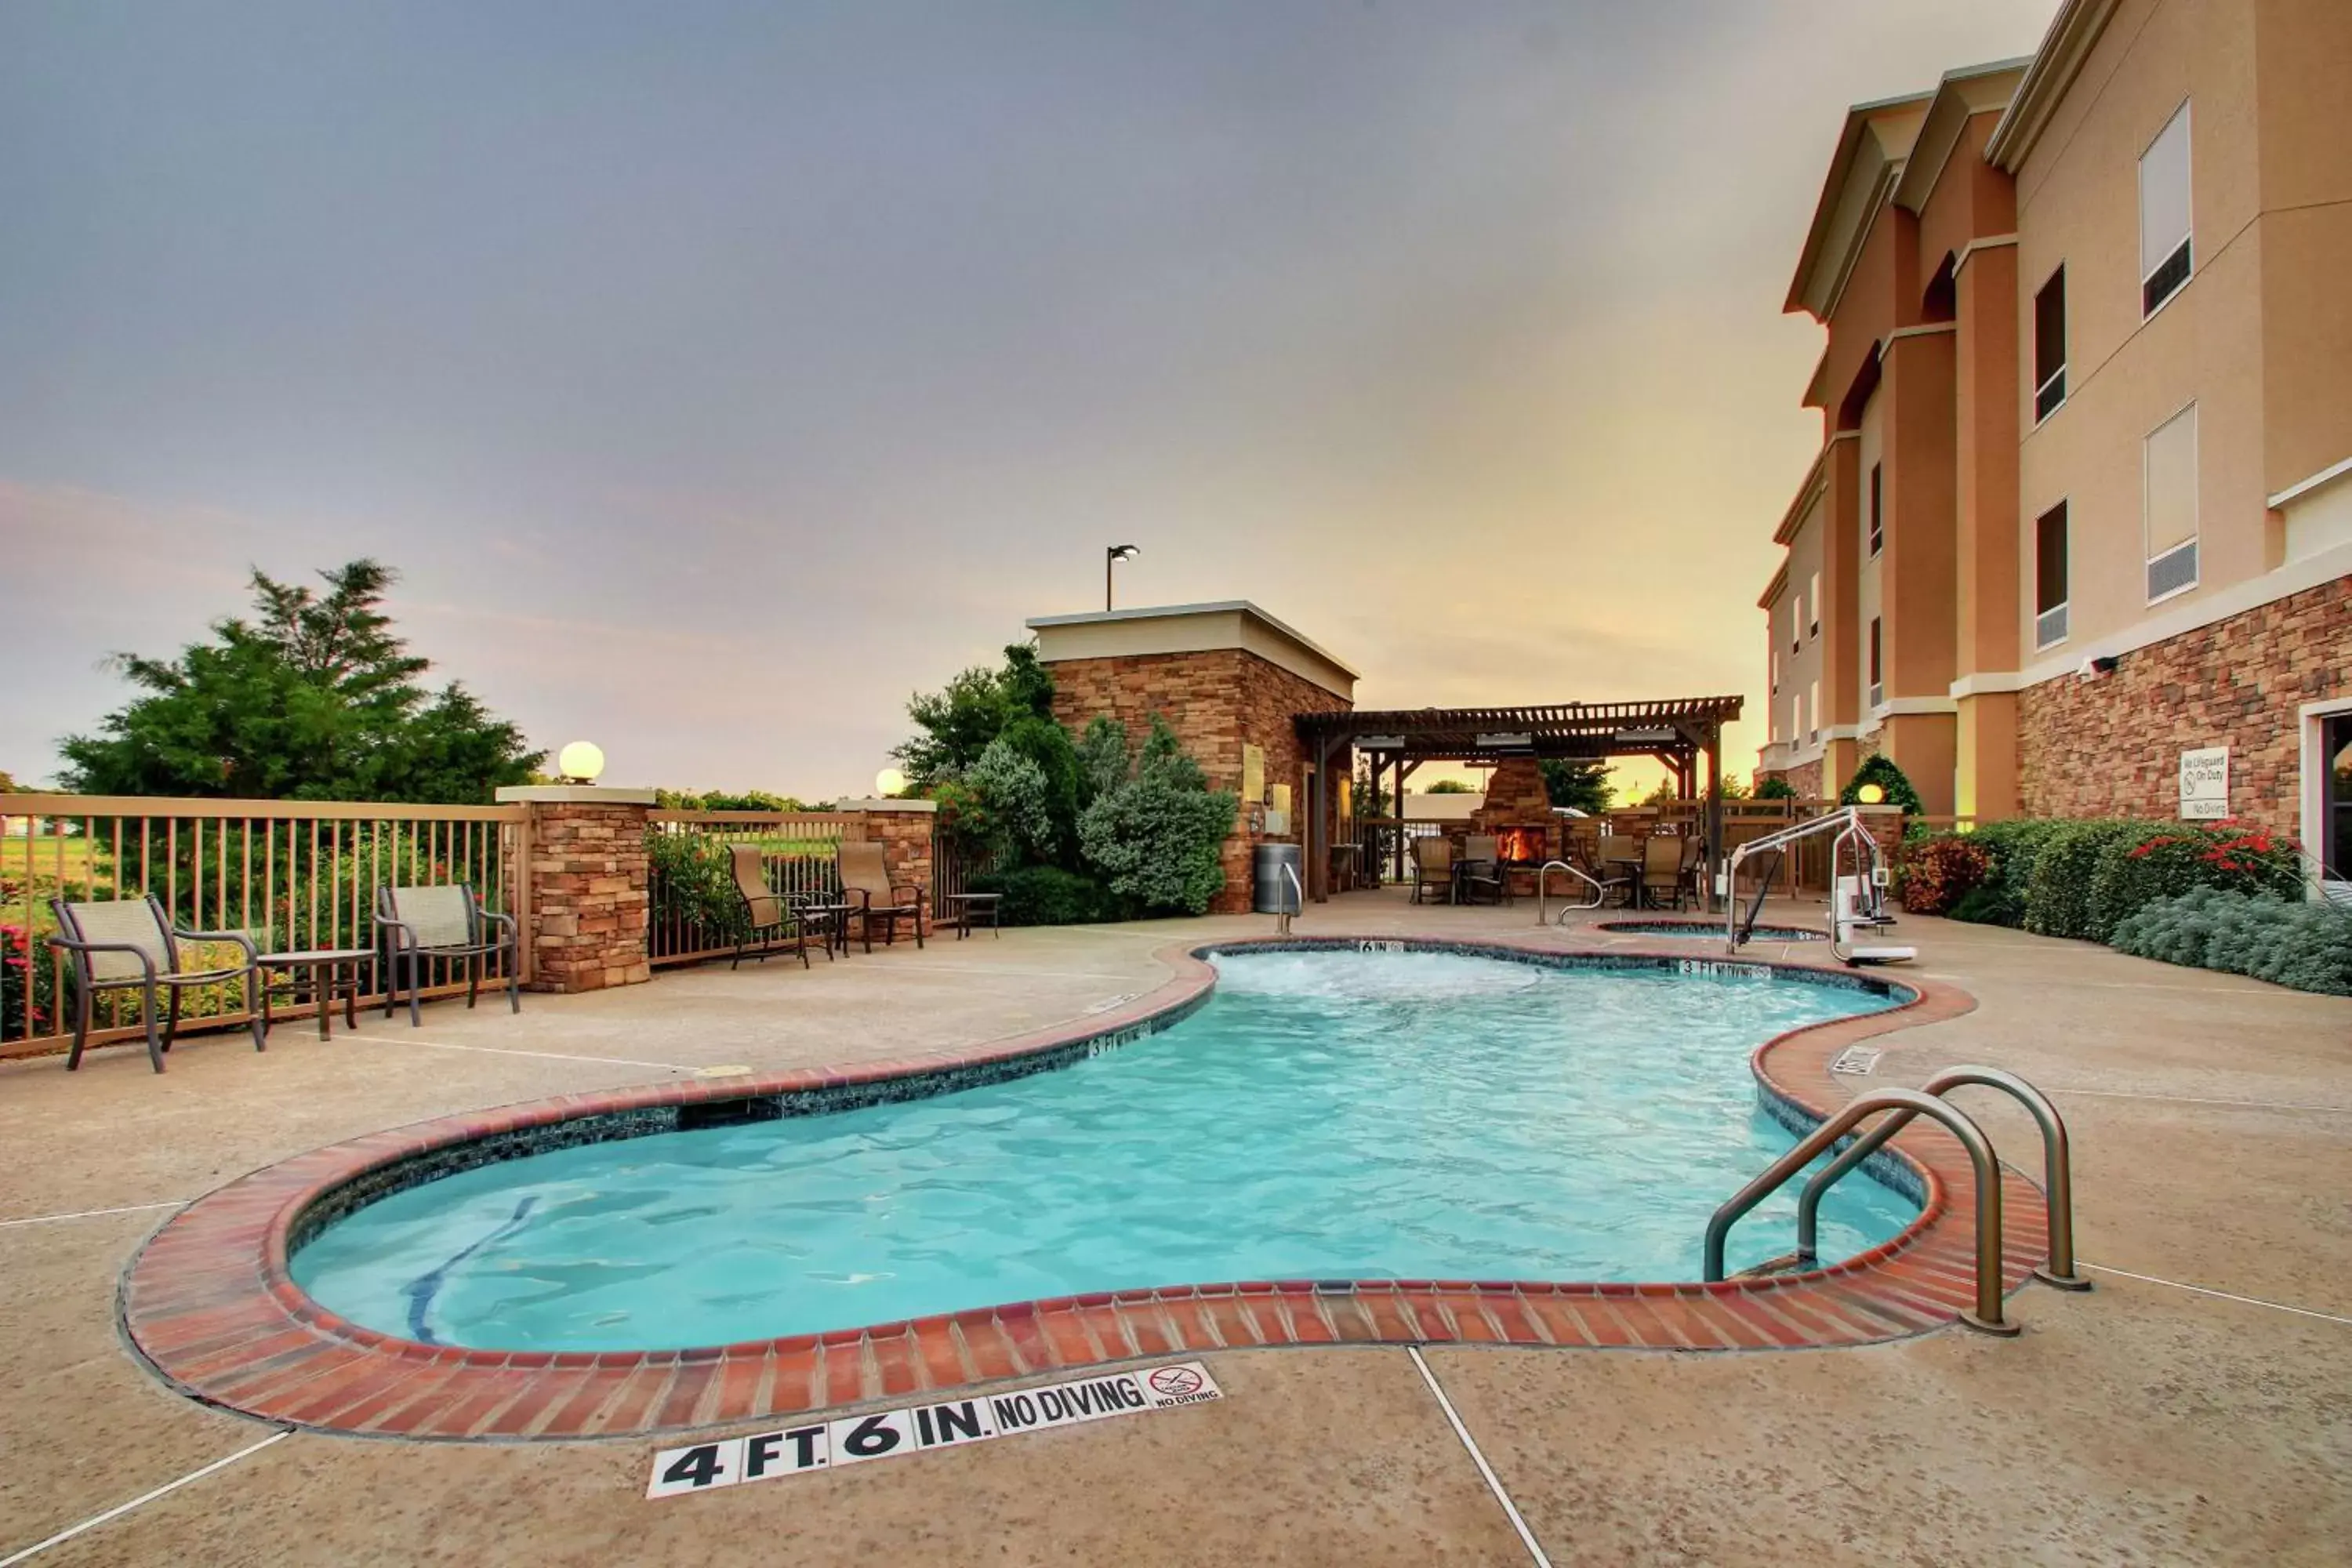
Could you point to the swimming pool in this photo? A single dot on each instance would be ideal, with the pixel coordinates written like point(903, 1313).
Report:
point(1332, 1114)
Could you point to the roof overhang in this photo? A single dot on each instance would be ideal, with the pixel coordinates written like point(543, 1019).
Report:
point(1872, 146)
point(1774, 589)
point(1960, 97)
point(2056, 63)
point(1192, 628)
point(1681, 726)
point(1816, 481)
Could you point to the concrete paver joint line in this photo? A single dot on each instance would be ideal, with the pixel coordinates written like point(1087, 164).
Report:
point(2194, 1290)
point(1526, 1536)
point(118, 1509)
point(92, 1213)
point(548, 1056)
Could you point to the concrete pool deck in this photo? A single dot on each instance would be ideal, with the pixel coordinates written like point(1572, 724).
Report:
point(2145, 1420)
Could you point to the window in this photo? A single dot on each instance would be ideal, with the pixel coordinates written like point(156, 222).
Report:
point(2049, 577)
point(1813, 706)
point(1877, 512)
point(1813, 627)
point(1797, 626)
point(2164, 260)
point(1773, 654)
point(1877, 668)
point(2169, 492)
point(2050, 346)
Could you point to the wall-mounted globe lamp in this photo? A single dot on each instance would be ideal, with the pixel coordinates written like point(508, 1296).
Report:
point(579, 762)
point(889, 783)
point(1871, 794)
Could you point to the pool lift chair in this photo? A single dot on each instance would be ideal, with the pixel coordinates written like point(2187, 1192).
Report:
point(1857, 901)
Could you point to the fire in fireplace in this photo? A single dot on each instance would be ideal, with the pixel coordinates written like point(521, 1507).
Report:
point(1526, 846)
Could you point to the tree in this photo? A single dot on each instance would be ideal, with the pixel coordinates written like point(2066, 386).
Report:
point(956, 724)
point(1775, 787)
point(1450, 786)
point(7, 784)
point(1582, 784)
point(1156, 837)
point(314, 699)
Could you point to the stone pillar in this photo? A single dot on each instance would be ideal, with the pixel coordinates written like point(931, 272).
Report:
point(585, 901)
point(904, 829)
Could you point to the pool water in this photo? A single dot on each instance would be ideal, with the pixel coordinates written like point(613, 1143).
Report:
point(1325, 1115)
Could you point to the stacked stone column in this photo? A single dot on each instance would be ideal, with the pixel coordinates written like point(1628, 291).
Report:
point(587, 895)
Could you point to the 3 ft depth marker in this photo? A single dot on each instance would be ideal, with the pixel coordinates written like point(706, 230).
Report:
point(916, 1428)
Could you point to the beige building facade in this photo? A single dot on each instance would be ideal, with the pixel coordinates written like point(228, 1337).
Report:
point(2084, 501)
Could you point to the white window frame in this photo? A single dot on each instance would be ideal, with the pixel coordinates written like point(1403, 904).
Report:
point(2065, 346)
point(2148, 268)
point(1873, 529)
point(2196, 480)
point(1813, 627)
point(2313, 718)
point(1876, 651)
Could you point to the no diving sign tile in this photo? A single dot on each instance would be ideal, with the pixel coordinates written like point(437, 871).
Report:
point(917, 1429)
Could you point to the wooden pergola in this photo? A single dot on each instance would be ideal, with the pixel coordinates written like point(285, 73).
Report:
point(1677, 732)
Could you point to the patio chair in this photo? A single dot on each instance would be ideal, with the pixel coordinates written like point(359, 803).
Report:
point(416, 924)
point(1662, 869)
point(1621, 864)
point(130, 941)
point(1432, 868)
point(865, 878)
point(771, 923)
point(1482, 870)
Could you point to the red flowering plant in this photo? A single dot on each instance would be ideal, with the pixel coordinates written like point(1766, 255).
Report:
point(22, 1011)
point(1938, 872)
point(2166, 864)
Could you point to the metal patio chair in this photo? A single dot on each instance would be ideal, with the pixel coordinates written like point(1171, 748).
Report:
point(1481, 873)
point(865, 878)
point(418, 924)
point(772, 925)
point(1662, 869)
point(130, 941)
point(1433, 868)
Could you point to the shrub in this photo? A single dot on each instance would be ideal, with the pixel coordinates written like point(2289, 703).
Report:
point(1882, 772)
point(693, 880)
point(1155, 838)
point(1939, 872)
point(1050, 896)
point(2011, 848)
point(1012, 812)
point(1775, 787)
point(2170, 861)
point(2058, 890)
point(2288, 942)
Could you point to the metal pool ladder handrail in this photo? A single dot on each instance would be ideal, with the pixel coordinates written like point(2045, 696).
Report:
point(1599, 889)
point(1282, 917)
point(1987, 1317)
point(2057, 1168)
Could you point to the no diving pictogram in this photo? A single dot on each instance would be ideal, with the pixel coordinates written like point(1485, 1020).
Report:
point(1175, 1380)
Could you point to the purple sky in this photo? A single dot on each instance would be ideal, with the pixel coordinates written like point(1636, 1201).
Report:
point(717, 374)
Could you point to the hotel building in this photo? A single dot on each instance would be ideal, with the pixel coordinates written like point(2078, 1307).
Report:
point(2083, 498)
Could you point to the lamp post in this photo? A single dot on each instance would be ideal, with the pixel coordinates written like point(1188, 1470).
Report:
point(1112, 557)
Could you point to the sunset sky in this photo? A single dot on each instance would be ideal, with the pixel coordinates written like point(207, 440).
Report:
point(717, 374)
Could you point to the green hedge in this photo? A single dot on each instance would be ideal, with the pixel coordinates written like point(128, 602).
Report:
point(1049, 896)
point(2080, 877)
point(2307, 946)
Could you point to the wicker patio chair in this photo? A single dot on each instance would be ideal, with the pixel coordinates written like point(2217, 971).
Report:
point(1481, 872)
point(416, 924)
point(1433, 868)
point(865, 878)
point(771, 923)
point(130, 941)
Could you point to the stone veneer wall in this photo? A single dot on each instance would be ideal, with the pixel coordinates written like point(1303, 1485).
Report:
point(906, 840)
point(589, 902)
point(1217, 700)
point(2112, 747)
point(1805, 778)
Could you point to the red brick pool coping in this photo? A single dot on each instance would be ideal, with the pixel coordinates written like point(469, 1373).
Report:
point(209, 1305)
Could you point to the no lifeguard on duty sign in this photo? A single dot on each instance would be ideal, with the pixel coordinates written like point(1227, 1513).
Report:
point(916, 1428)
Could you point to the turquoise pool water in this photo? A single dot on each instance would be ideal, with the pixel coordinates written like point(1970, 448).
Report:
point(1325, 1115)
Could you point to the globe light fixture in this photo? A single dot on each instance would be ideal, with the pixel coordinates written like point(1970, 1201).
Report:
point(890, 782)
point(580, 761)
point(1871, 794)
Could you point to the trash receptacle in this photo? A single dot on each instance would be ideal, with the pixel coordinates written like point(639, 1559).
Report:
point(1277, 892)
